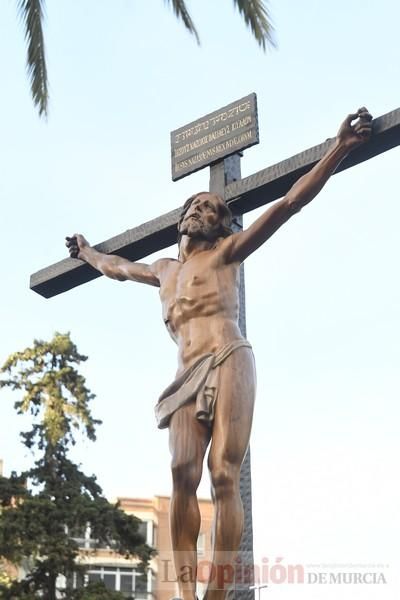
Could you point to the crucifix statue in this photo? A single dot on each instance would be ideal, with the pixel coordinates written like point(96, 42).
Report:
point(210, 402)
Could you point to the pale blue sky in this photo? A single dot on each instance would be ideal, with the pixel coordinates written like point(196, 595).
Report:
point(322, 296)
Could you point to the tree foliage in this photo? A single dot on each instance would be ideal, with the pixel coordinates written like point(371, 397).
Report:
point(40, 507)
point(254, 13)
point(5, 579)
point(256, 17)
point(31, 12)
point(54, 393)
point(95, 591)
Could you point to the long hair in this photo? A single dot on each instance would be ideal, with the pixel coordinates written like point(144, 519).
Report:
point(225, 226)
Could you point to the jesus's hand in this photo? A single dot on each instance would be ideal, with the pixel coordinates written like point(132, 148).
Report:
point(355, 129)
point(76, 245)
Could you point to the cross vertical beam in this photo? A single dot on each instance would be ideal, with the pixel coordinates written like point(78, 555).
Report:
point(222, 174)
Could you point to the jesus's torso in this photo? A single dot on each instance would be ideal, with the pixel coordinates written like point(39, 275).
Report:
point(200, 304)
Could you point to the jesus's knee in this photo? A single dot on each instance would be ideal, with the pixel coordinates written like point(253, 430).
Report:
point(186, 474)
point(224, 479)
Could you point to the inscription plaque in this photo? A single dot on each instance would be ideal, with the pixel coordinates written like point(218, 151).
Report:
point(211, 138)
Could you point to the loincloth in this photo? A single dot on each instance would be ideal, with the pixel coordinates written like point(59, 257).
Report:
point(198, 382)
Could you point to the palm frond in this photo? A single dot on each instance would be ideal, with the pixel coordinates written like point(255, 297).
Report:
point(257, 17)
point(180, 10)
point(31, 12)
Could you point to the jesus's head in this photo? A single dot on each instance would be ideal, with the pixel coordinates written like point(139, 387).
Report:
point(205, 216)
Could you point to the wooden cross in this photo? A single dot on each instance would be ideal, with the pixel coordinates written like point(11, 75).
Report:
point(242, 195)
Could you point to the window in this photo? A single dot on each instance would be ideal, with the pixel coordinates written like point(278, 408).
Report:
point(146, 529)
point(126, 583)
point(79, 534)
point(94, 577)
point(74, 580)
point(142, 529)
point(110, 580)
point(154, 539)
point(141, 585)
point(83, 536)
point(132, 583)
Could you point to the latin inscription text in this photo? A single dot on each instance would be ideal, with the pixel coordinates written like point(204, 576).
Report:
point(215, 136)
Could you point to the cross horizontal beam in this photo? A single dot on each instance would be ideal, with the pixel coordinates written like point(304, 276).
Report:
point(243, 196)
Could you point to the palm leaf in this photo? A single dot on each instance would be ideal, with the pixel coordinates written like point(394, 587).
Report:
point(31, 12)
point(181, 12)
point(256, 17)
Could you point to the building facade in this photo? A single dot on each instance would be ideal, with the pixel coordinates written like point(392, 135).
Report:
point(124, 575)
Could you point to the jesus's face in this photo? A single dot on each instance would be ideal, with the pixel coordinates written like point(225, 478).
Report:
point(203, 218)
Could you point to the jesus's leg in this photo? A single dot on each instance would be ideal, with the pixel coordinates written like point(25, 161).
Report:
point(230, 438)
point(188, 443)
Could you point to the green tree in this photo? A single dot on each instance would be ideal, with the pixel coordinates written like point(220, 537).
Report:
point(96, 591)
point(254, 13)
point(5, 579)
point(42, 506)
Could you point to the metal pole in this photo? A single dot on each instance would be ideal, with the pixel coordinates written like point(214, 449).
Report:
point(258, 588)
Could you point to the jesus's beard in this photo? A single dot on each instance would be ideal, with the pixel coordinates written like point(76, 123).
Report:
point(196, 229)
